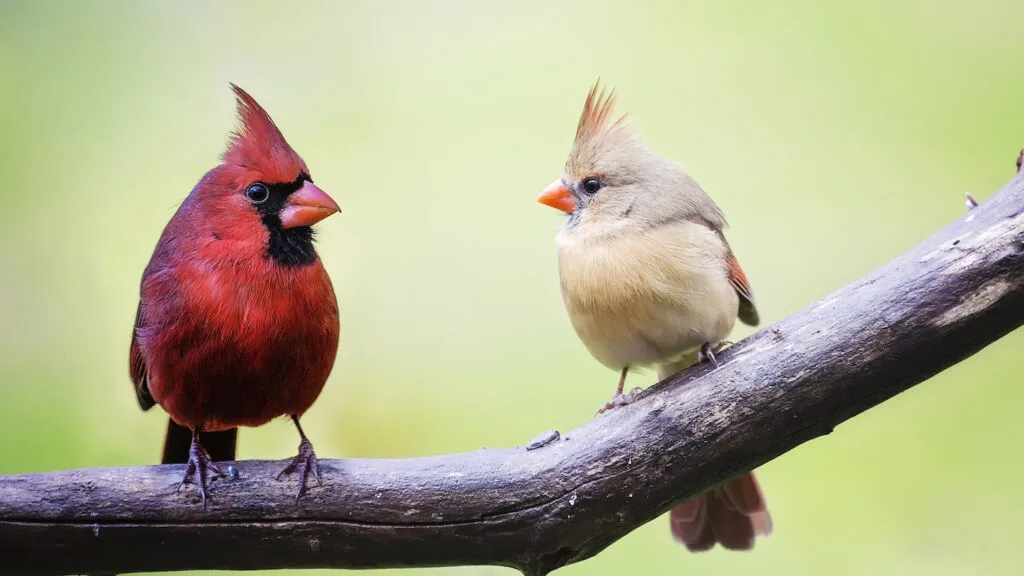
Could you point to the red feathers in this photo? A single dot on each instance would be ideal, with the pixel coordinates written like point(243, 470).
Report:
point(236, 344)
point(748, 310)
point(738, 279)
point(732, 515)
point(237, 321)
point(259, 145)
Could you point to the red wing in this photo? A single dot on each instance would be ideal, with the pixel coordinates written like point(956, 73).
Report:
point(137, 367)
point(748, 310)
point(160, 261)
point(738, 279)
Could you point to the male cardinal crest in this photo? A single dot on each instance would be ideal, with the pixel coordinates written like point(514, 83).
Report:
point(649, 279)
point(237, 322)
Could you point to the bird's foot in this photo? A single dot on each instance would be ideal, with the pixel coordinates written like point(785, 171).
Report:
point(195, 473)
point(707, 353)
point(305, 462)
point(619, 400)
point(723, 345)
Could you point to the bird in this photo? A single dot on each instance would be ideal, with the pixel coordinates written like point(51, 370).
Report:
point(648, 279)
point(237, 321)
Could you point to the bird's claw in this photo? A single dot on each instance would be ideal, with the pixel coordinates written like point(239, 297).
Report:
point(305, 461)
point(707, 353)
point(619, 400)
point(195, 472)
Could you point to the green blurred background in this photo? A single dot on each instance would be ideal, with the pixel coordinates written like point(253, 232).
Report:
point(834, 135)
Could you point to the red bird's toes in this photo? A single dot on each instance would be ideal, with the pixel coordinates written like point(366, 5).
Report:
point(196, 471)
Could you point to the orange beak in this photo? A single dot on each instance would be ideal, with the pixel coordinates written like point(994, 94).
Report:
point(307, 206)
point(557, 195)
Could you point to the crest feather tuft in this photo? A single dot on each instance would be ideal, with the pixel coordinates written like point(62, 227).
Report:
point(258, 143)
point(596, 111)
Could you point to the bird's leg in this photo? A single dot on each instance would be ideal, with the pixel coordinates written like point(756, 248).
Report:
point(198, 463)
point(305, 461)
point(620, 399)
point(707, 353)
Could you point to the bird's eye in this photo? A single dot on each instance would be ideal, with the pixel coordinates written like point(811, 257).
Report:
point(257, 193)
point(592, 185)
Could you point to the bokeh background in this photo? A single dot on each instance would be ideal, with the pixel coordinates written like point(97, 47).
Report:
point(834, 135)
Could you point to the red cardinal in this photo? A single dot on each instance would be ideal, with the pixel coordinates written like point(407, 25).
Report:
point(237, 321)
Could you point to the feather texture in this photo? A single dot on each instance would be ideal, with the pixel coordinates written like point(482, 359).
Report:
point(225, 334)
point(597, 111)
point(258, 144)
point(747, 310)
point(648, 278)
point(232, 339)
point(732, 515)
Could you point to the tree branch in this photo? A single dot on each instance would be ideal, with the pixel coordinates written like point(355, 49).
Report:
point(567, 499)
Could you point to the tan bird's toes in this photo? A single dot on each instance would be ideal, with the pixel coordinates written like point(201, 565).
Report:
point(619, 400)
point(723, 345)
point(707, 353)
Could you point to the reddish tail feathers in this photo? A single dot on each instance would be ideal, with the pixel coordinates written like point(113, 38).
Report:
point(733, 515)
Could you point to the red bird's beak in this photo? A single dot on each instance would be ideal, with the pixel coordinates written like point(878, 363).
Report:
point(557, 195)
point(307, 206)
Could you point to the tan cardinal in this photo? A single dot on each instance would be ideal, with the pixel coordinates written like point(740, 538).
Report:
point(649, 280)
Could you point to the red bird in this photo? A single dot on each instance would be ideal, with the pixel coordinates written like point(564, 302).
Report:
point(237, 321)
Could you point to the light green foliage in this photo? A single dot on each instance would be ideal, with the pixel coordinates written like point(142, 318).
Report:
point(835, 135)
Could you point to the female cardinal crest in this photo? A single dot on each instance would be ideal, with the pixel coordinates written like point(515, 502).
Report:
point(237, 321)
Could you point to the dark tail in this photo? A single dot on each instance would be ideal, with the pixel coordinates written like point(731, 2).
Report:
point(219, 445)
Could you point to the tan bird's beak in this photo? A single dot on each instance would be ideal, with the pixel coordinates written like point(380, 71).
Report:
point(307, 206)
point(557, 195)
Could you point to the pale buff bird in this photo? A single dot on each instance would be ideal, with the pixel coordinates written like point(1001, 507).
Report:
point(648, 279)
